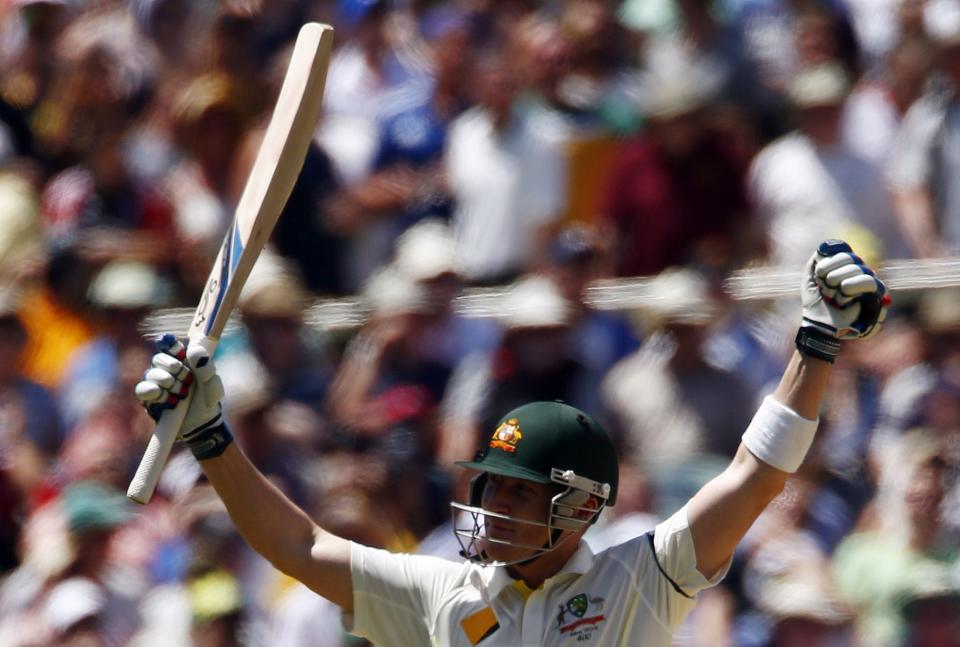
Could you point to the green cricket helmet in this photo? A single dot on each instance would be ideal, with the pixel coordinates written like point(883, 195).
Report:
point(543, 442)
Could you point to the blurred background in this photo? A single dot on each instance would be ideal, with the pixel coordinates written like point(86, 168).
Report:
point(483, 173)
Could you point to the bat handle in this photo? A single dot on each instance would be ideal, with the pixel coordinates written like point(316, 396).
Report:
point(158, 449)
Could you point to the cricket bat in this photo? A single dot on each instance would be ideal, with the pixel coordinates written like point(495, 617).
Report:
point(275, 171)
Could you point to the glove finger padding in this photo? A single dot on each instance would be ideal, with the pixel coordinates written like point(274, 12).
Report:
point(174, 371)
point(149, 392)
point(841, 295)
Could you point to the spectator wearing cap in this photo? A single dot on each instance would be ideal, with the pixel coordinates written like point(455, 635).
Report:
point(924, 158)
point(388, 392)
point(668, 396)
point(217, 607)
point(388, 387)
point(714, 51)
point(533, 361)
point(426, 254)
point(808, 186)
point(931, 342)
point(123, 293)
point(577, 257)
point(676, 190)
point(69, 582)
point(273, 307)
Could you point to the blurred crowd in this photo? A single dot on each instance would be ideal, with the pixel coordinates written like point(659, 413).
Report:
point(523, 149)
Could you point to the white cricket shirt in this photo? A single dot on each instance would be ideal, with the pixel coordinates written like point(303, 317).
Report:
point(635, 593)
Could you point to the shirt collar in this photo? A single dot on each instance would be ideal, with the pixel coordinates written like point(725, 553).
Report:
point(492, 580)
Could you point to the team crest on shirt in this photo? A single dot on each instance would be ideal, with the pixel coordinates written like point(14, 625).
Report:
point(507, 435)
point(580, 616)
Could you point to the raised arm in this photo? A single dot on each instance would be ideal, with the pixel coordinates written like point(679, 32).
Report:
point(272, 525)
point(841, 300)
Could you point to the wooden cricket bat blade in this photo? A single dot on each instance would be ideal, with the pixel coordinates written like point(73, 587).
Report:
point(275, 171)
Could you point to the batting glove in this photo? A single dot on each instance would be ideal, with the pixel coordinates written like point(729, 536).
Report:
point(842, 299)
point(174, 371)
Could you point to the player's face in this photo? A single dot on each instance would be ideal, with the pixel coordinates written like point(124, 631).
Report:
point(520, 499)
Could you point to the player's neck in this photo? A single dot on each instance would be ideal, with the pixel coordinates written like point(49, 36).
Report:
point(548, 564)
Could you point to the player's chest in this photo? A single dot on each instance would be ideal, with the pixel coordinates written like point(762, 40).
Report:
point(580, 613)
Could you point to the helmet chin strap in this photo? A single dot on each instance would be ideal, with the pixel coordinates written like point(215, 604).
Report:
point(547, 547)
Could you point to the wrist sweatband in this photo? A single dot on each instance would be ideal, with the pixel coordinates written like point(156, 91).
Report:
point(816, 343)
point(210, 441)
point(779, 436)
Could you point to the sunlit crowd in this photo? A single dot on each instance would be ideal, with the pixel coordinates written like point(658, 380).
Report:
point(484, 175)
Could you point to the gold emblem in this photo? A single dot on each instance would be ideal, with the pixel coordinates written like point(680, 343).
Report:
point(507, 435)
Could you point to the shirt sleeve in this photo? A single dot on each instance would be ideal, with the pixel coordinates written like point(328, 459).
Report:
point(395, 597)
point(677, 559)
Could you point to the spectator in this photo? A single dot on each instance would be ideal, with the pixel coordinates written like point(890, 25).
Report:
point(28, 34)
point(406, 183)
point(123, 293)
point(273, 307)
point(576, 258)
point(907, 546)
point(426, 254)
point(216, 603)
point(808, 185)
point(364, 72)
point(208, 124)
point(924, 156)
point(388, 387)
point(785, 36)
point(533, 361)
point(670, 401)
point(68, 558)
point(21, 237)
point(31, 432)
point(676, 191)
point(506, 178)
point(875, 109)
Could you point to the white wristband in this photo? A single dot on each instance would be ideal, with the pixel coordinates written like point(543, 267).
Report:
point(779, 436)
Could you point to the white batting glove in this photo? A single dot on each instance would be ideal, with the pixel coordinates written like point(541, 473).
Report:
point(842, 299)
point(174, 371)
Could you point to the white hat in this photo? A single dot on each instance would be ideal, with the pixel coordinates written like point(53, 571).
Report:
point(941, 21)
point(534, 302)
point(681, 296)
point(672, 95)
point(390, 291)
point(72, 601)
point(825, 84)
point(128, 284)
point(797, 595)
point(426, 250)
point(273, 288)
